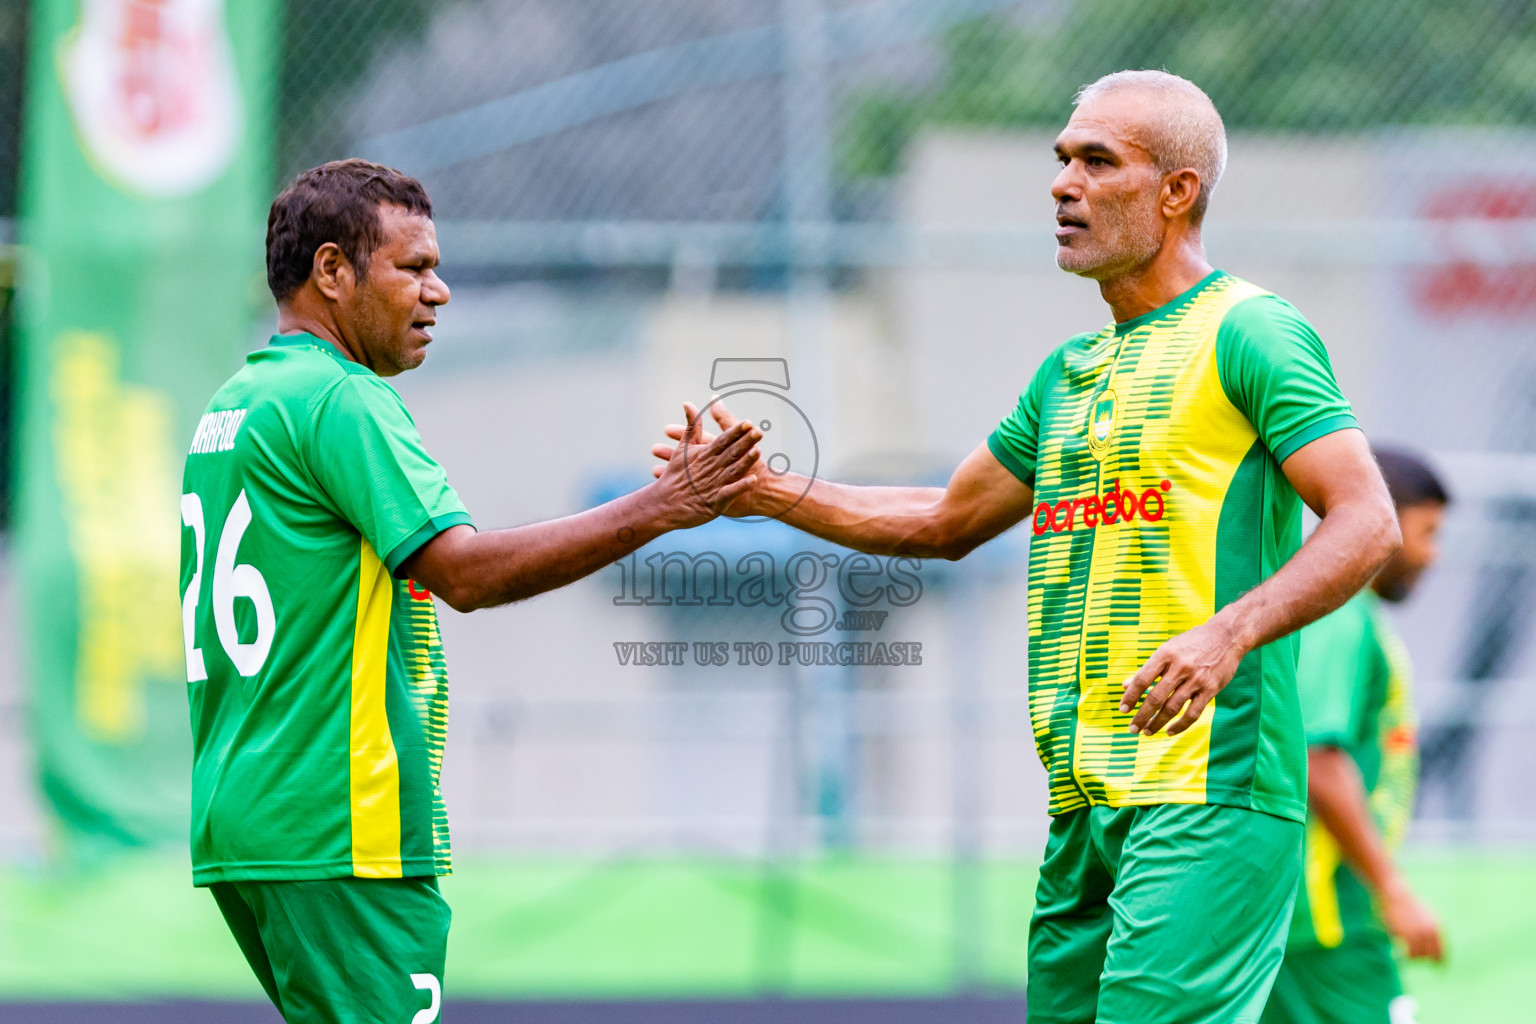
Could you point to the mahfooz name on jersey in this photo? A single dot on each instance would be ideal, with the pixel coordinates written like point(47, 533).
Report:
point(1113, 507)
point(216, 431)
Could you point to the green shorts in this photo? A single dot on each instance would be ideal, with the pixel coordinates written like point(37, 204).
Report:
point(1355, 983)
point(343, 950)
point(1161, 914)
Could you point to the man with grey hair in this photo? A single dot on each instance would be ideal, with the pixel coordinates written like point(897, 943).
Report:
point(1181, 128)
point(1162, 462)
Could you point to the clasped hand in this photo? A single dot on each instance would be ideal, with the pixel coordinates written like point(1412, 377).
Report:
point(745, 496)
point(707, 473)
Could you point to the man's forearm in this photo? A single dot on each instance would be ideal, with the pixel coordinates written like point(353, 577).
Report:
point(1337, 796)
point(1340, 557)
point(482, 570)
point(981, 500)
point(879, 520)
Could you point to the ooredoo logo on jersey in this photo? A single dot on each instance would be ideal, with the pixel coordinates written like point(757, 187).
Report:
point(1114, 507)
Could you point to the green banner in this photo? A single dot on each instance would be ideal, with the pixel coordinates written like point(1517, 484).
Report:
point(145, 178)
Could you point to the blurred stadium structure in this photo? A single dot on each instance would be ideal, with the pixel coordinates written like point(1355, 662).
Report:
point(627, 190)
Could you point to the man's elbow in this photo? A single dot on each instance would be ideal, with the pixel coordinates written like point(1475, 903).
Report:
point(1322, 771)
point(953, 546)
point(460, 593)
point(447, 567)
point(957, 550)
point(461, 602)
point(1388, 533)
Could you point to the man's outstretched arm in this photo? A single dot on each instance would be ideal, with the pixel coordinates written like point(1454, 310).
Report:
point(472, 570)
point(981, 500)
point(1339, 480)
point(1336, 795)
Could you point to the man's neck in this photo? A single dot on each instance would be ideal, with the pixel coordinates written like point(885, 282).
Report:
point(293, 319)
point(1178, 266)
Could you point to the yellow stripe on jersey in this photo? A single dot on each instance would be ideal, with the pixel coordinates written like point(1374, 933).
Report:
point(1397, 725)
point(1322, 890)
point(375, 766)
point(1166, 383)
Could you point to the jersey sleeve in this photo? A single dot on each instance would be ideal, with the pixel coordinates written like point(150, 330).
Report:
point(1016, 441)
point(1274, 368)
point(366, 454)
point(1332, 677)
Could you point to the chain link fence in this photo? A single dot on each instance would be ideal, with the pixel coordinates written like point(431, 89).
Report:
point(627, 190)
point(815, 157)
point(675, 109)
point(13, 31)
point(630, 190)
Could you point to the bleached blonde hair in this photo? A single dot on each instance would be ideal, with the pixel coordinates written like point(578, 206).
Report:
point(1185, 130)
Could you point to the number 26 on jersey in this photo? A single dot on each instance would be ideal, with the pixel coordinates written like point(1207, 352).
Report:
point(231, 580)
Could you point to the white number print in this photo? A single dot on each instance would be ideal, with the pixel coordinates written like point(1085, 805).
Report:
point(230, 581)
point(1403, 1010)
point(428, 982)
point(192, 516)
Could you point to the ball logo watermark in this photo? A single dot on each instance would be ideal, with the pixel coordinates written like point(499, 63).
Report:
point(812, 593)
point(152, 87)
point(758, 390)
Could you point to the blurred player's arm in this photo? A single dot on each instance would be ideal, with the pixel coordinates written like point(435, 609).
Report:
point(472, 570)
point(1339, 480)
point(1336, 795)
point(981, 500)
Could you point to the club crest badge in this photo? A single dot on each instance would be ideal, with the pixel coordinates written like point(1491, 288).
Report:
point(1101, 422)
point(152, 88)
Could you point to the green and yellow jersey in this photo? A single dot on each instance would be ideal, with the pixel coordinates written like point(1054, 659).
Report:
point(1154, 450)
point(1356, 695)
point(315, 674)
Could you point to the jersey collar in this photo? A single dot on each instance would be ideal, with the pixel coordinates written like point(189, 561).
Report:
point(1172, 305)
point(305, 339)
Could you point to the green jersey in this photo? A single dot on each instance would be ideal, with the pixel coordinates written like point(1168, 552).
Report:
point(1154, 449)
point(315, 674)
point(1356, 696)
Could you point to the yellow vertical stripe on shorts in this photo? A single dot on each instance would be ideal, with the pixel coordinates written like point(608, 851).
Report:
point(1322, 891)
point(375, 768)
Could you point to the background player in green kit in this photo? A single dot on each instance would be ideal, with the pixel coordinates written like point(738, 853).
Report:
point(316, 529)
point(1162, 463)
point(1363, 755)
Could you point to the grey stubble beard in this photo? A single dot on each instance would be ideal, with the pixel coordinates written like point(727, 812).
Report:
point(1139, 241)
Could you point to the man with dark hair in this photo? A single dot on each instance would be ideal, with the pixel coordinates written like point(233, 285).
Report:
point(335, 202)
point(1162, 462)
point(316, 531)
point(1362, 770)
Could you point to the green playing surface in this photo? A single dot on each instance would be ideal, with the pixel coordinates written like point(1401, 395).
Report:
point(660, 928)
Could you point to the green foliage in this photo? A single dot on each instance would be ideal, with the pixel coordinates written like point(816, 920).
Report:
point(1277, 65)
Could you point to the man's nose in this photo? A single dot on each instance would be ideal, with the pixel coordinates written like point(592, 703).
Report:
point(1066, 185)
point(436, 292)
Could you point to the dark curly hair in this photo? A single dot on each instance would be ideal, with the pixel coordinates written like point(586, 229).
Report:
point(1410, 481)
point(335, 202)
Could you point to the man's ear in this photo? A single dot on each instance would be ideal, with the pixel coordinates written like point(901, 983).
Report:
point(332, 271)
point(1180, 190)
